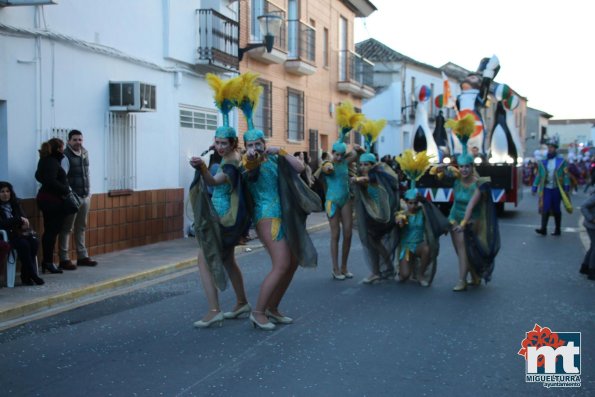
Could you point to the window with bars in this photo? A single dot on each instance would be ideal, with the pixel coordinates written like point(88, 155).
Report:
point(263, 116)
point(295, 115)
point(121, 158)
point(61, 133)
point(199, 120)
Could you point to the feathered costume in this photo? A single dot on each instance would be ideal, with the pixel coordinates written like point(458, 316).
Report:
point(276, 190)
point(219, 221)
point(335, 174)
point(376, 204)
point(425, 225)
point(482, 234)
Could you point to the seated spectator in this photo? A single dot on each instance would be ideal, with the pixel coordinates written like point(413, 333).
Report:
point(20, 235)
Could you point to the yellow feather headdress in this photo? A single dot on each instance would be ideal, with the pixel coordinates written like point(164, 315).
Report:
point(347, 119)
point(371, 130)
point(248, 95)
point(463, 128)
point(414, 165)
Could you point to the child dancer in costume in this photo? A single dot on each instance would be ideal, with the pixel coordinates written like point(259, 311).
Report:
point(376, 204)
point(338, 204)
point(220, 220)
point(421, 225)
point(474, 229)
point(281, 201)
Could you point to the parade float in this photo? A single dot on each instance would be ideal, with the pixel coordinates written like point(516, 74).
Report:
point(497, 153)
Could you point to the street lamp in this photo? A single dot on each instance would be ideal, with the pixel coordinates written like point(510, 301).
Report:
point(270, 25)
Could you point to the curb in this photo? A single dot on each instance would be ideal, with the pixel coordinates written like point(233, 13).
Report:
point(37, 305)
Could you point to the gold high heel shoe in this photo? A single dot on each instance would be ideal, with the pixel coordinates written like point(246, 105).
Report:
point(264, 327)
point(237, 313)
point(371, 279)
point(216, 320)
point(278, 319)
point(461, 286)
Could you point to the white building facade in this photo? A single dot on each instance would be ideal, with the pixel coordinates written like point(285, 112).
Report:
point(57, 64)
point(397, 79)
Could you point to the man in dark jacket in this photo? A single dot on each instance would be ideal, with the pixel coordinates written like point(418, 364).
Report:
point(76, 165)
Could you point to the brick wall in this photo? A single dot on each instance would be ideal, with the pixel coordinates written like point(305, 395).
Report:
point(117, 223)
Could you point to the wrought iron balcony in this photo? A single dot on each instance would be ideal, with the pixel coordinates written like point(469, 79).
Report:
point(355, 74)
point(217, 41)
point(301, 45)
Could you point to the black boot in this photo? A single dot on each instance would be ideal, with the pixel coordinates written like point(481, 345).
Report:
point(558, 220)
point(591, 275)
point(584, 269)
point(544, 219)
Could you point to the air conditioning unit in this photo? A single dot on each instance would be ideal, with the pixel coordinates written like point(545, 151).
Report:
point(132, 96)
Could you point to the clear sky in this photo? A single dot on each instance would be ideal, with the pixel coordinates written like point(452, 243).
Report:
point(546, 48)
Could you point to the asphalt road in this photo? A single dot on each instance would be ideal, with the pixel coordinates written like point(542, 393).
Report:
point(348, 339)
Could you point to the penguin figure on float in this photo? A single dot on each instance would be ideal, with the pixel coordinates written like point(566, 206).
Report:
point(422, 136)
point(505, 140)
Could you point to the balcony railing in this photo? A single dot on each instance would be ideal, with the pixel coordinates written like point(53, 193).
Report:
point(354, 68)
point(217, 40)
point(301, 41)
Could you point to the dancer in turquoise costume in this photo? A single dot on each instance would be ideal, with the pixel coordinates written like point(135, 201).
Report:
point(219, 221)
point(474, 231)
point(376, 204)
point(338, 204)
point(281, 202)
point(421, 225)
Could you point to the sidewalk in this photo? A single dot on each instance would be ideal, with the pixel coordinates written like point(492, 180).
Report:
point(116, 270)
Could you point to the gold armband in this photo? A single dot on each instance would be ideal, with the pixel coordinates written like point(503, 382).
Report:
point(463, 223)
point(282, 152)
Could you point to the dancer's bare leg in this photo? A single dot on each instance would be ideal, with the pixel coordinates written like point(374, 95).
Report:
point(208, 285)
point(280, 259)
point(347, 222)
point(335, 225)
point(278, 294)
point(237, 280)
point(458, 240)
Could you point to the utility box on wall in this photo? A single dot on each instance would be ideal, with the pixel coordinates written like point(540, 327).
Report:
point(132, 96)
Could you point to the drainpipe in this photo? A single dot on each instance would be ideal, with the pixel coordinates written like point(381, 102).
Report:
point(38, 78)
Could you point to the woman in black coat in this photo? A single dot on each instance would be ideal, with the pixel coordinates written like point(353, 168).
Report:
point(14, 221)
point(54, 187)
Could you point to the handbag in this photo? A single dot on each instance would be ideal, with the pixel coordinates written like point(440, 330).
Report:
point(71, 203)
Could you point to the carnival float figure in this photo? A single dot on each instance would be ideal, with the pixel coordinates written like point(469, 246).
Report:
point(376, 194)
point(280, 202)
point(335, 177)
point(423, 140)
point(474, 224)
point(474, 92)
point(219, 220)
point(552, 184)
point(421, 225)
point(505, 141)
